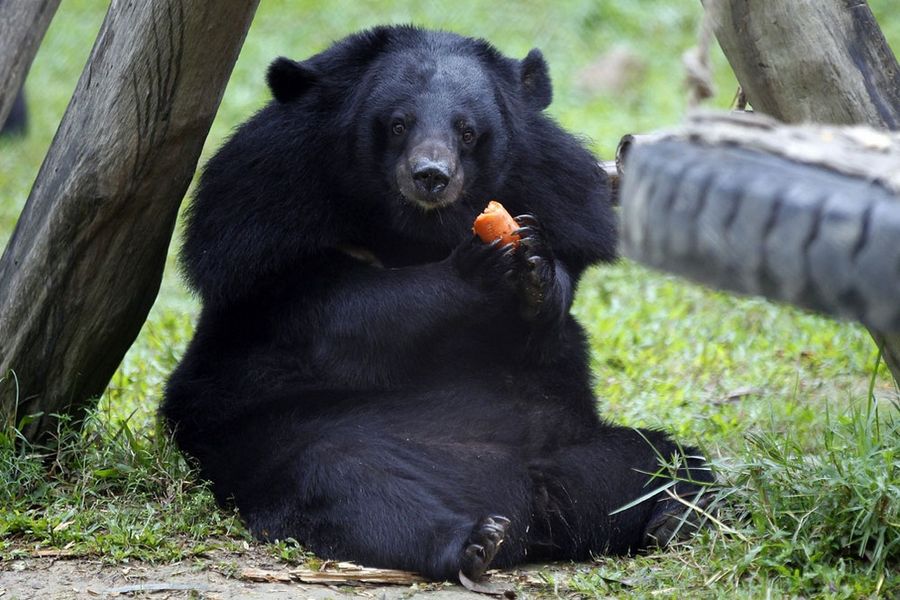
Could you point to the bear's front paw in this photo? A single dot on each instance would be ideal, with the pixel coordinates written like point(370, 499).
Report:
point(491, 266)
point(536, 273)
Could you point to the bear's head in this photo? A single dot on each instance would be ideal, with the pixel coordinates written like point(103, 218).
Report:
point(426, 118)
point(392, 139)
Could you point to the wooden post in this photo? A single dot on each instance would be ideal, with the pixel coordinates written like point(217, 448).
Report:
point(23, 24)
point(84, 263)
point(823, 61)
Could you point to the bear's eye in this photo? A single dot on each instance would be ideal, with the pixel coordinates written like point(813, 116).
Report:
point(468, 136)
point(398, 128)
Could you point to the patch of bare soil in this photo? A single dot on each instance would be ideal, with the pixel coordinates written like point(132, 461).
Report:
point(231, 576)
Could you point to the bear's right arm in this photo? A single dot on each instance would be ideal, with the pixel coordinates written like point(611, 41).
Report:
point(376, 326)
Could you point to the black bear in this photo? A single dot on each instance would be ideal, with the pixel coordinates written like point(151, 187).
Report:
point(367, 376)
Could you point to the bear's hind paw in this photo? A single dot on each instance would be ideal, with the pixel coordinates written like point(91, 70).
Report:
point(672, 521)
point(482, 546)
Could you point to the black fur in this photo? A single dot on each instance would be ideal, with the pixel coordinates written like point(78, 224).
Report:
point(399, 416)
point(17, 121)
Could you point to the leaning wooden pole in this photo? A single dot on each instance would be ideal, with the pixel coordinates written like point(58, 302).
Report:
point(84, 263)
point(823, 61)
point(23, 24)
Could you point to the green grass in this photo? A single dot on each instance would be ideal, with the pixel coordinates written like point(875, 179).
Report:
point(780, 398)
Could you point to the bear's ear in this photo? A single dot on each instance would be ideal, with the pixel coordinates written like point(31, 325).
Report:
point(536, 80)
point(289, 79)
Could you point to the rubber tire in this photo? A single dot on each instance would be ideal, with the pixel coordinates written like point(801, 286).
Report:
point(755, 223)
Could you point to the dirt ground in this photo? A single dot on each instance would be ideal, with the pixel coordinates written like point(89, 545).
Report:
point(221, 576)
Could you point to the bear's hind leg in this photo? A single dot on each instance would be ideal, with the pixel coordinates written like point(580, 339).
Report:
point(389, 502)
point(580, 492)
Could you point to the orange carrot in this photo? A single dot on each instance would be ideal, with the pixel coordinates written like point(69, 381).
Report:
point(495, 223)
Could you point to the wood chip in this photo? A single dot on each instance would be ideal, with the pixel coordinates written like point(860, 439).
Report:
point(335, 573)
point(156, 587)
point(485, 587)
point(266, 576)
point(738, 394)
point(53, 553)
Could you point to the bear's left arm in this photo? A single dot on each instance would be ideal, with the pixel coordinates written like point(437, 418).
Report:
point(568, 192)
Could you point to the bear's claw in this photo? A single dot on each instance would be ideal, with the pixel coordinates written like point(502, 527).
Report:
point(672, 521)
point(537, 269)
point(482, 546)
point(486, 264)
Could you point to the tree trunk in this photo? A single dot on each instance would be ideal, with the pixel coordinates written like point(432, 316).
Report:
point(23, 24)
point(85, 261)
point(823, 61)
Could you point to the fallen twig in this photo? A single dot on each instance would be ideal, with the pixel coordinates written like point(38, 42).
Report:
point(54, 553)
point(487, 588)
point(154, 587)
point(340, 573)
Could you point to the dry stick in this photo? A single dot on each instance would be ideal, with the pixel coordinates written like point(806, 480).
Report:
point(152, 587)
point(335, 573)
point(699, 83)
point(615, 169)
point(23, 24)
point(698, 73)
point(822, 61)
point(739, 103)
point(613, 173)
point(84, 263)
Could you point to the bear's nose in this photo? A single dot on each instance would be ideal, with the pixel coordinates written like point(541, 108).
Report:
point(431, 177)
